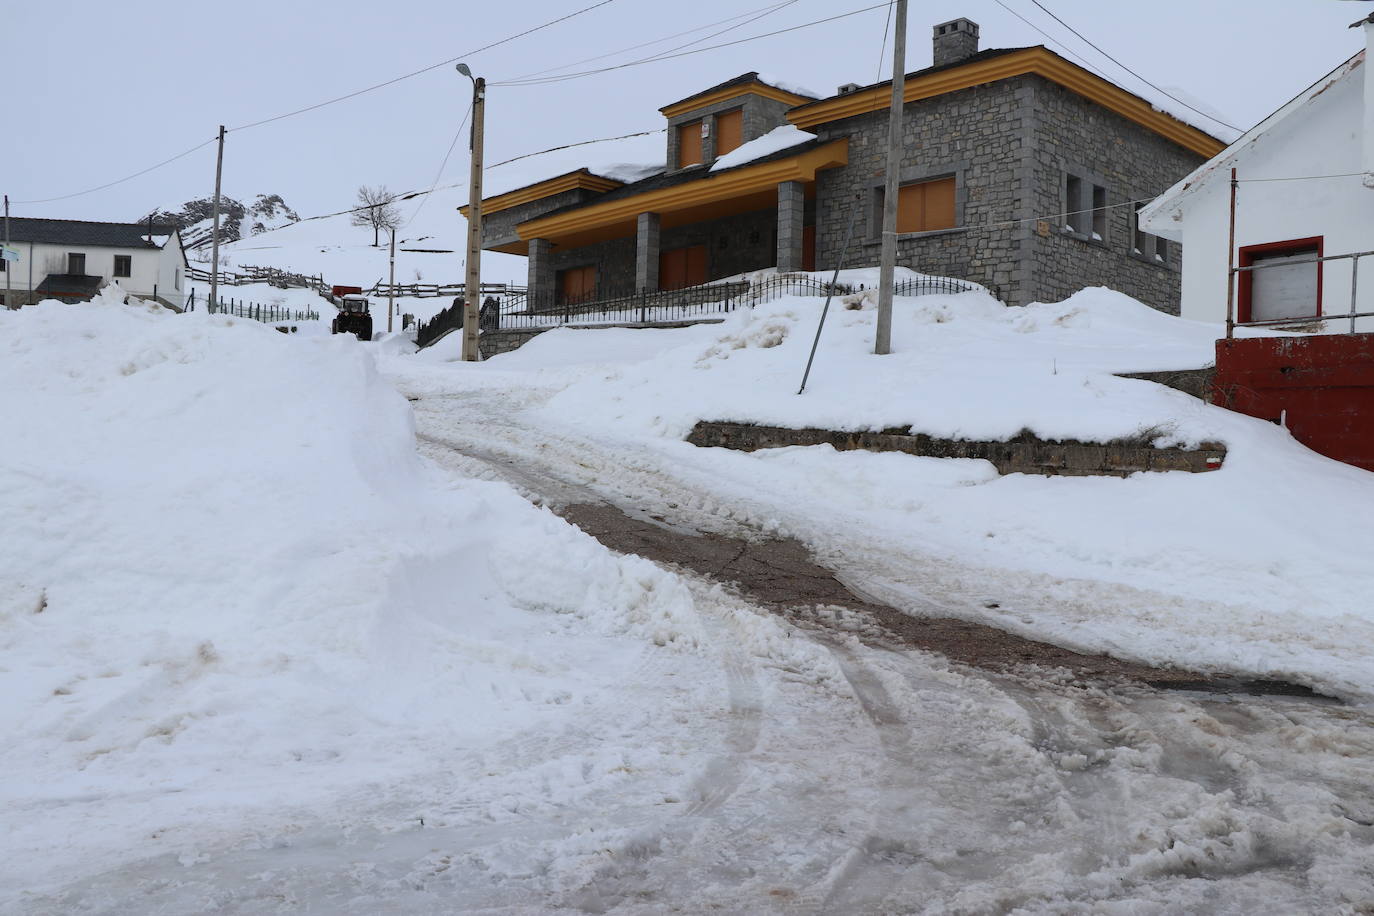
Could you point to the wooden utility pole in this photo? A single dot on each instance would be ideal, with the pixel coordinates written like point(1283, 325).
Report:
point(391, 292)
point(887, 266)
point(472, 286)
point(214, 248)
point(8, 271)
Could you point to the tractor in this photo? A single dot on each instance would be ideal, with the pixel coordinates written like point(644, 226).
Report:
point(353, 317)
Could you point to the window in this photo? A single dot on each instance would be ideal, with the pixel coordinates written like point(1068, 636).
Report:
point(177, 284)
point(689, 144)
point(923, 206)
point(124, 265)
point(577, 284)
point(1284, 287)
point(76, 264)
point(729, 131)
point(1086, 206)
point(682, 267)
point(1147, 246)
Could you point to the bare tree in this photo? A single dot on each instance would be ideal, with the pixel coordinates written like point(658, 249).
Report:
point(377, 208)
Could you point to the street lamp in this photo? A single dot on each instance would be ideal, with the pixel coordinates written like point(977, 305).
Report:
point(472, 285)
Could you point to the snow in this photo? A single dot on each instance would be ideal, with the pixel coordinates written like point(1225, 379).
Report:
point(431, 242)
point(786, 85)
point(779, 138)
point(1196, 570)
point(220, 546)
point(260, 656)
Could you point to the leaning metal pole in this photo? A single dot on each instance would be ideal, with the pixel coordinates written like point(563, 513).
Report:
point(214, 251)
point(830, 293)
point(1231, 265)
point(887, 266)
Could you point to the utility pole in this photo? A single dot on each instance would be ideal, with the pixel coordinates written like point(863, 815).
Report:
point(8, 272)
point(391, 292)
point(882, 344)
point(472, 286)
point(214, 249)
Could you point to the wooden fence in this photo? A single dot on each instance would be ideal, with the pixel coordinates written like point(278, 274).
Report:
point(247, 274)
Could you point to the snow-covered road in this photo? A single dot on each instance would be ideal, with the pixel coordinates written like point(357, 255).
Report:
point(867, 779)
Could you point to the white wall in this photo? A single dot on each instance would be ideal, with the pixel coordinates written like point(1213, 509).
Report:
point(150, 268)
point(1322, 138)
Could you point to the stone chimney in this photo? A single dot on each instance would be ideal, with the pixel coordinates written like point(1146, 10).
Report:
point(955, 40)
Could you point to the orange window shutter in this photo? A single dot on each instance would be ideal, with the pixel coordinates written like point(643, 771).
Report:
point(670, 270)
point(729, 131)
point(939, 204)
point(910, 207)
point(689, 144)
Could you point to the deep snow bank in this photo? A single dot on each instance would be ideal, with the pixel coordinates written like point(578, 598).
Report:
point(227, 582)
point(1260, 567)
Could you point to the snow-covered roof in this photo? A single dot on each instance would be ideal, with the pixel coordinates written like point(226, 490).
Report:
point(1162, 215)
point(779, 138)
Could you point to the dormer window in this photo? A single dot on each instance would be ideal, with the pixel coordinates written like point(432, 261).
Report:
point(729, 131)
point(689, 144)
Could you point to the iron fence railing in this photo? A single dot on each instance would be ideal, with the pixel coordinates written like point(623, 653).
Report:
point(255, 311)
point(1233, 321)
point(669, 306)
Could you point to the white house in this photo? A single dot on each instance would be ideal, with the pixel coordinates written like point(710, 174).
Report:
point(1304, 189)
point(72, 259)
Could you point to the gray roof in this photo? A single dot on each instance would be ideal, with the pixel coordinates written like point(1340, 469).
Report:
point(79, 232)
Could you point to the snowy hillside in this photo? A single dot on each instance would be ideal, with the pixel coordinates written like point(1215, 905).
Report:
point(432, 240)
point(1178, 568)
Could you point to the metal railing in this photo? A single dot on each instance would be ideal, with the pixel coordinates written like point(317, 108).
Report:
point(694, 302)
point(1232, 322)
point(255, 311)
point(381, 290)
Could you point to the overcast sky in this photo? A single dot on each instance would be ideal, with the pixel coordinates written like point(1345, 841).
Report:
point(99, 90)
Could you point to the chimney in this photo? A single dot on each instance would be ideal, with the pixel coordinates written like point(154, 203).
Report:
point(955, 40)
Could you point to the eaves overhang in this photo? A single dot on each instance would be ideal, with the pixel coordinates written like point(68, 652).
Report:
point(1036, 61)
point(711, 188)
point(729, 92)
point(569, 181)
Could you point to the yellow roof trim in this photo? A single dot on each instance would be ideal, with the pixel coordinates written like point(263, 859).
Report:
point(729, 183)
point(1037, 61)
point(729, 92)
point(547, 188)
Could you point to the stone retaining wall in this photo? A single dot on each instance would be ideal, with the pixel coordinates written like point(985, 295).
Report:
point(1026, 454)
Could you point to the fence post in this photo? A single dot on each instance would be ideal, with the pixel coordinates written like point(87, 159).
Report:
point(643, 306)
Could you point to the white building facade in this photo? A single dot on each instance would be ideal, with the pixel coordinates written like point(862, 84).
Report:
point(73, 259)
point(1304, 189)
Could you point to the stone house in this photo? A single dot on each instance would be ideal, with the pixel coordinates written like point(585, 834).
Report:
point(72, 260)
point(1020, 171)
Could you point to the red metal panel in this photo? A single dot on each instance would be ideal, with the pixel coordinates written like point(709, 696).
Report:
point(1321, 386)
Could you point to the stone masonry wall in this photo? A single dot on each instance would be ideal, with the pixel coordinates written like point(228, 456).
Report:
point(499, 228)
point(1022, 455)
point(981, 136)
point(1132, 163)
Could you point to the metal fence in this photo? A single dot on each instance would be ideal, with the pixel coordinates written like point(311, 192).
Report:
point(255, 311)
point(381, 290)
point(694, 302)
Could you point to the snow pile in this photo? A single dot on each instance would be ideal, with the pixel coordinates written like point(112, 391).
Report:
point(777, 139)
point(1259, 567)
point(228, 584)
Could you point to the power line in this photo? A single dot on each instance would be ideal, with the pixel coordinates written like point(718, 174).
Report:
point(440, 174)
point(442, 63)
point(181, 155)
point(727, 44)
point(1052, 40)
point(341, 98)
point(1109, 57)
point(645, 44)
